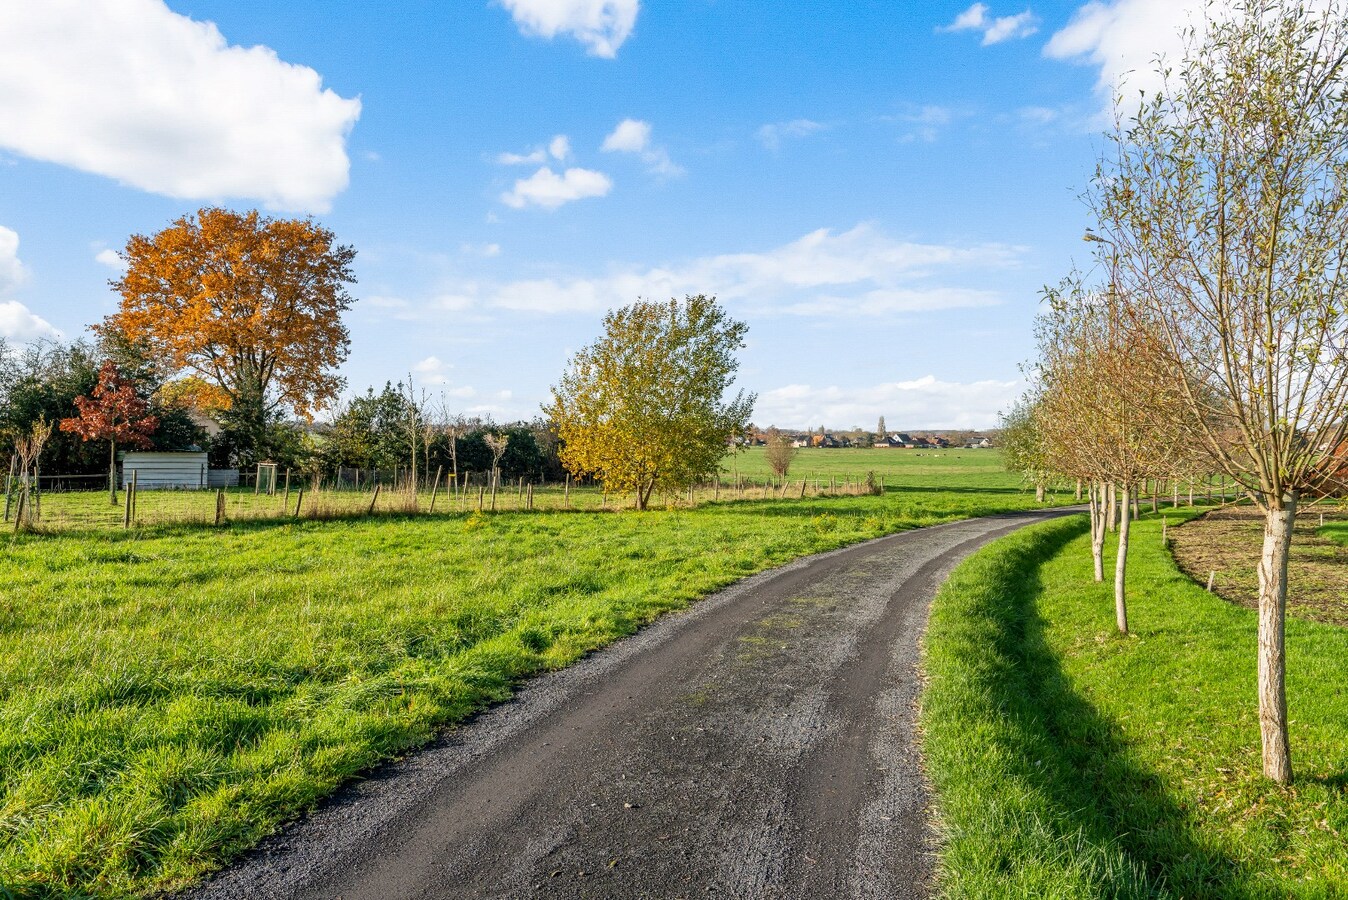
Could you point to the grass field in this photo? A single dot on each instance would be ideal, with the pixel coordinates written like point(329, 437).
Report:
point(746, 476)
point(169, 695)
point(1070, 762)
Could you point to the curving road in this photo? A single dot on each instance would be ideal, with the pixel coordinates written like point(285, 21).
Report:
point(758, 745)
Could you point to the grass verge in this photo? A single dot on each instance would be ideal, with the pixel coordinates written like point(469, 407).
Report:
point(169, 696)
point(1071, 762)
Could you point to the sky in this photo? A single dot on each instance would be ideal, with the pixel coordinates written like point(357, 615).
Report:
point(879, 188)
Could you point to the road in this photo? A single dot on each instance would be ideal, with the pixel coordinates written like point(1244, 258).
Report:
point(758, 745)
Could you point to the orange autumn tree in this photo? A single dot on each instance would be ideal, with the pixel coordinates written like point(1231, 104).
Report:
point(114, 413)
point(248, 304)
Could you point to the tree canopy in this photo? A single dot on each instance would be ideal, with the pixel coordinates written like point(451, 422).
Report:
point(251, 305)
point(644, 407)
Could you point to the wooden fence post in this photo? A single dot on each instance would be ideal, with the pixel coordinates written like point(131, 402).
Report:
point(135, 492)
point(299, 500)
point(285, 501)
point(435, 486)
point(126, 508)
point(219, 505)
point(373, 500)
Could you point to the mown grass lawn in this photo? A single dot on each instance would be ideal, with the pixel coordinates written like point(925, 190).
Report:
point(169, 696)
point(1069, 761)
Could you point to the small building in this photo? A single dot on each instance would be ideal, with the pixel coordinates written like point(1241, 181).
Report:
point(156, 470)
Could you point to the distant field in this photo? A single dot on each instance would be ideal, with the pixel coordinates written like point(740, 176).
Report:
point(169, 695)
point(745, 476)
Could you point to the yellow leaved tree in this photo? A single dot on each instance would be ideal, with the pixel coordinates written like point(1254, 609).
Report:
point(645, 407)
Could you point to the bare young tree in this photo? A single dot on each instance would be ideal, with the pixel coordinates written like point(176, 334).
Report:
point(496, 443)
point(1226, 196)
point(28, 448)
point(779, 452)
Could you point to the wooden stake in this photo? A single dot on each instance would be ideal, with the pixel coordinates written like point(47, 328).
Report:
point(435, 486)
point(285, 501)
point(126, 508)
point(1212, 576)
point(373, 500)
point(219, 505)
point(566, 492)
point(299, 499)
point(135, 492)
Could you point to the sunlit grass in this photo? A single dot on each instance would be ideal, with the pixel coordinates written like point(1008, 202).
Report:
point(1072, 762)
point(169, 695)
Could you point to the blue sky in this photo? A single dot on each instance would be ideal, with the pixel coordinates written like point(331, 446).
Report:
point(878, 188)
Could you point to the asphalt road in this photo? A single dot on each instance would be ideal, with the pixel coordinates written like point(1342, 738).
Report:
point(758, 745)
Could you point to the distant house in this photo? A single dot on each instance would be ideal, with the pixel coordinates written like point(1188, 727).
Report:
point(184, 469)
point(983, 444)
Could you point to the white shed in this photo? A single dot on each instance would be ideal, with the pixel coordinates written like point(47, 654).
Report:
point(183, 469)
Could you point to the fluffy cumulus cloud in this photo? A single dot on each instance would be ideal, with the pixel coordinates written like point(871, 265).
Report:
point(131, 90)
point(824, 273)
point(1124, 38)
point(773, 134)
point(550, 190)
point(995, 29)
point(601, 25)
point(921, 403)
point(432, 372)
point(634, 136)
point(17, 322)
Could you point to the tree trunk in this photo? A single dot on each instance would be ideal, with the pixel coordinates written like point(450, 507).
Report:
point(1121, 567)
point(112, 472)
point(1111, 505)
point(1078, 494)
point(1039, 492)
point(1098, 530)
point(1272, 646)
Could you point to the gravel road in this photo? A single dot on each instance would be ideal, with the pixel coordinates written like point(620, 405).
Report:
point(758, 745)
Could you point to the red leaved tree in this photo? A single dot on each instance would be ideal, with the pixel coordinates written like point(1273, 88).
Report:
point(114, 413)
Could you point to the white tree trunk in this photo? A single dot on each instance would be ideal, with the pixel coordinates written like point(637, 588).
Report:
point(1121, 567)
point(1272, 645)
point(1039, 492)
point(1111, 505)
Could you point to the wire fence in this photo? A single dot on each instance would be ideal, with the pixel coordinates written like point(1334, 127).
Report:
point(58, 503)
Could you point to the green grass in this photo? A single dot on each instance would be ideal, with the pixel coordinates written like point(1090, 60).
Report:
point(1071, 762)
point(168, 696)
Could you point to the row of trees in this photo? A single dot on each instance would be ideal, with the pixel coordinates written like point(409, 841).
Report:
point(1220, 343)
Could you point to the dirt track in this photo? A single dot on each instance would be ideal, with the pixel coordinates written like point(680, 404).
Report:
point(759, 745)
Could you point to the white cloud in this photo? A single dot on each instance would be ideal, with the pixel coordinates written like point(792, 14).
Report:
point(601, 25)
point(634, 136)
point(560, 147)
point(432, 371)
point(549, 190)
point(133, 91)
point(858, 272)
point(532, 158)
point(925, 402)
point(995, 29)
point(12, 271)
point(1124, 38)
point(924, 123)
point(110, 259)
point(630, 136)
point(772, 134)
point(18, 322)
point(484, 250)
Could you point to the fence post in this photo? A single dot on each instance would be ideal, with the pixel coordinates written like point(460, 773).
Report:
point(135, 492)
point(373, 500)
point(219, 505)
point(126, 510)
point(435, 487)
point(298, 501)
point(285, 501)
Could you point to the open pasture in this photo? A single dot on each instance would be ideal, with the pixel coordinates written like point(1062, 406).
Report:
point(169, 695)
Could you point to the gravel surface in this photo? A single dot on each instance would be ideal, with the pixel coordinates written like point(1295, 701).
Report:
point(758, 745)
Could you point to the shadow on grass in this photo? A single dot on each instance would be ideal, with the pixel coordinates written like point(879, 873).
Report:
point(1049, 783)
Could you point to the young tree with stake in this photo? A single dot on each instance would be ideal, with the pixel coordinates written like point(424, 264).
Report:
point(1226, 195)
